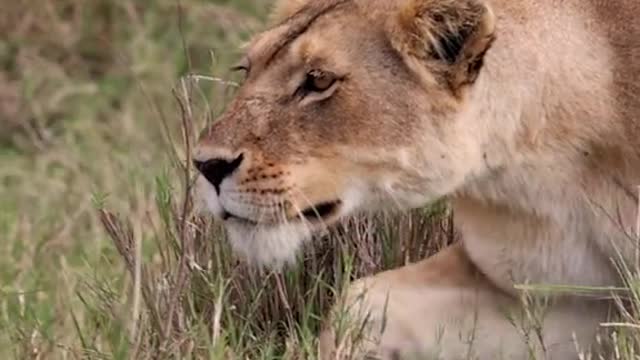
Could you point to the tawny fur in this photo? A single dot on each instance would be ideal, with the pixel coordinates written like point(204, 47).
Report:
point(527, 118)
point(283, 9)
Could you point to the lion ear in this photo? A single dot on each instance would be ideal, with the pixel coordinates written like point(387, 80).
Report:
point(283, 9)
point(452, 36)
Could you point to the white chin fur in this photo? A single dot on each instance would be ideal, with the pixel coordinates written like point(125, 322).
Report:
point(270, 246)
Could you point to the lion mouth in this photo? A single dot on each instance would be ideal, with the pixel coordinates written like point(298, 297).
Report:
point(313, 214)
point(276, 241)
point(321, 211)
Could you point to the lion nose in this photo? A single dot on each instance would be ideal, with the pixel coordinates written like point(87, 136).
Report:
point(216, 170)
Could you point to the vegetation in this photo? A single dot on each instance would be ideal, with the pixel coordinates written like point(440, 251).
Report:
point(101, 252)
point(101, 256)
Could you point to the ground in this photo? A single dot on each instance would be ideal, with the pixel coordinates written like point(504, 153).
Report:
point(100, 255)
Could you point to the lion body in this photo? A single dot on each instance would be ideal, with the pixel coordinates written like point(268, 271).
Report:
point(539, 151)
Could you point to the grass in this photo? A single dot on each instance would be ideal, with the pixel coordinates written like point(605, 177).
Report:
point(101, 253)
point(91, 140)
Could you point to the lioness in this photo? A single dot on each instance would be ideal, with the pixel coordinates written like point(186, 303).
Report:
point(525, 113)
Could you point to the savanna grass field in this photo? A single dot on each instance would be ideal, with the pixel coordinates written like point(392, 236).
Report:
point(102, 252)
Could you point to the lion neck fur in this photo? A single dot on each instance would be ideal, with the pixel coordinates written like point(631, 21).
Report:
point(560, 200)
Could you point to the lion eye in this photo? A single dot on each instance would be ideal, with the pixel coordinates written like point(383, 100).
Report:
point(244, 66)
point(240, 68)
point(319, 81)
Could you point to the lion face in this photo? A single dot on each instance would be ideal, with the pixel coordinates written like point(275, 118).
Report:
point(342, 110)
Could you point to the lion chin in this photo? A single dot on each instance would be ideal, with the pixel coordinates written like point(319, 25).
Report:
point(269, 245)
point(273, 245)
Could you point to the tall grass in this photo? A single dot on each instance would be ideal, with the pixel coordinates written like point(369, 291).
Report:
point(102, 251)
point(83, 89)
point(102, 255)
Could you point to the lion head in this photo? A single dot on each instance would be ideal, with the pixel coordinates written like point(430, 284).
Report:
point(346, 106)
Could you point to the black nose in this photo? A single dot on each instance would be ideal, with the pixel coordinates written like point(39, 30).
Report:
point(216, 170)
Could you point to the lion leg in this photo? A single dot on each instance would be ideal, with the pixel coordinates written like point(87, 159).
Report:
point(442, 308)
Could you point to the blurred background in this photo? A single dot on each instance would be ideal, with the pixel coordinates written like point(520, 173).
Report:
point(91, 186)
